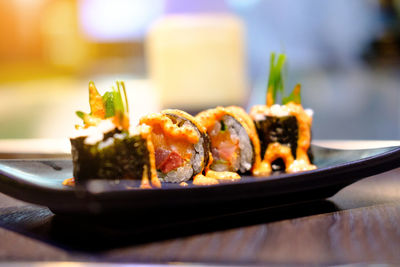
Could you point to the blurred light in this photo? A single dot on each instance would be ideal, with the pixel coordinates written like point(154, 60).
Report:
point(197, 55)
point(241, 4)
point(27, 4)
point(62, 44)
point(117, 20)
point(203, 6)
point(27, 14)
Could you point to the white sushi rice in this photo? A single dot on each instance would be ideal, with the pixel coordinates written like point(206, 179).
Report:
point(94, 134)
point(181, 174)
point(309, 112)
point(108, 142)
point(277, 110)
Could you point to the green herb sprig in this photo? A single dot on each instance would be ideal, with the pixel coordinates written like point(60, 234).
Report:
point(113, 103)
point(276, 82)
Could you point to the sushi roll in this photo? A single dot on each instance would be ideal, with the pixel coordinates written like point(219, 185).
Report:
point(234, 143)
point(103, 147)
point(181, 145)
point(284, 130)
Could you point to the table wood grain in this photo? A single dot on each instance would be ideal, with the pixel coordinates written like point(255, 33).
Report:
point(360, 224)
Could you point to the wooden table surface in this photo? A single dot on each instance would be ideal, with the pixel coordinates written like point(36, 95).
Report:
point(360, 224)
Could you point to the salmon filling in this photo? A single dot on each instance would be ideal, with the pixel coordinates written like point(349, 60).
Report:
point(233, 138)
point(225, 147)
point(170, 153)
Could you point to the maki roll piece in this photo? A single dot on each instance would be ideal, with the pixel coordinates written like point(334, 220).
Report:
point(181, 145)
point(103, 148)
point(115, 155)
point(234, 141)
point(284, 130)
point(285, 136)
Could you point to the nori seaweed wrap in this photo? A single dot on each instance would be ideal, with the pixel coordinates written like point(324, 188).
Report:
point(117, 156)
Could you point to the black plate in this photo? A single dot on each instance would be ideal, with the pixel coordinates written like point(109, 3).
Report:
point(40, 182)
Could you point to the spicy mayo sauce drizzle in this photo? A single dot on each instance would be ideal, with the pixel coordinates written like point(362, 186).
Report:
point(213, 177)
point(168, 127)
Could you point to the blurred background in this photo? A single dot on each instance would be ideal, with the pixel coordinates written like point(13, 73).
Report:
point(198, 54)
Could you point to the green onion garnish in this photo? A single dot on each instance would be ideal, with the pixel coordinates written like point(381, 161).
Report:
point(80, 114)
point(223, 126)
point(276, 82)
point(294, 96)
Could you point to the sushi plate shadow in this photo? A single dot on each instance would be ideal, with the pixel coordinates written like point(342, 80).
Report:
point(82, 233)
point(40, 182)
